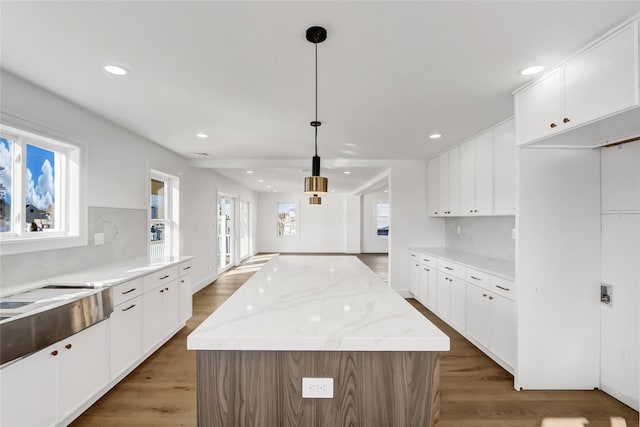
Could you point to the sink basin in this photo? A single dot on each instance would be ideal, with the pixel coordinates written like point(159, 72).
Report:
point(72, 286)
point(10, 305)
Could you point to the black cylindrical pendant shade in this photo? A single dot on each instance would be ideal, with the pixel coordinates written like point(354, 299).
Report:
point(315, 184)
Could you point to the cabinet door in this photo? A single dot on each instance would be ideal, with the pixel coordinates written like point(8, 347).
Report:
point(620, 172)
point(504, 169)
point(125, 336)
point(186, 298)
point(432, 290)
point(444, 295)
point(443, 181)
point(414, 277)
point(484, 174)
point(503, 328)
point(540, 106)
point(83, 367)
point(170, 308)
point(152, 330)
point(28, 390)
point(468, 177)
point(458, 303)
point(433, 187)
point(424, 284)
point(479, 314)
point(604, 79)
point(454, 181)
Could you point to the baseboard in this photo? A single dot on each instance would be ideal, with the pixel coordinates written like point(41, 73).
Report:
point(204, 283)
point(404, 293)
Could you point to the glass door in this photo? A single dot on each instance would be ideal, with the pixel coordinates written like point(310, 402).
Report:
point(245, 208)
point(225, 232)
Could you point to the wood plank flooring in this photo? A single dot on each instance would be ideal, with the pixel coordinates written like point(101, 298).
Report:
point(475, 391)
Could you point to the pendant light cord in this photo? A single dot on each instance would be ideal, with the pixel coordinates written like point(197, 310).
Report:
point(316, 127)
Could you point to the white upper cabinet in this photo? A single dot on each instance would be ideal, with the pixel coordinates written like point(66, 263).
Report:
point(620, 174)
point(504, 169)
point(540, 108)
point(433, 187)
point(476, 178)
point(599, 82)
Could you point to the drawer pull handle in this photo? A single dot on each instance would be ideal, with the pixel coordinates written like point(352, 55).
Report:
point(68, 346)
point(129, 308)
point(161, 290)
point(129, 291)
point(164, 277)
point(413, 255)
point(186, 268)
point(166, 289)
point(504, 289)
point(449, 268)
point(552, 125)
point(484, 295)
point(181, 281)
point(417, 265)
point(475, 278)
point(490, 297)
point(566, 120)
point(427, 260)
point(54, 353)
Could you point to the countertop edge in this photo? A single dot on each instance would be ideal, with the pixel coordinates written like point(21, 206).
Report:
point(437, 252)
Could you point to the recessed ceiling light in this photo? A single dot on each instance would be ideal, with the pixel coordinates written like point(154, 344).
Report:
point(202, 135)
point(115, 70)
point(275, 191)
point(386, 191)
point(268, 186)
point(347, 172)
point(249, 171)
point(261, 180)
point(529, 71)
point(435, 135)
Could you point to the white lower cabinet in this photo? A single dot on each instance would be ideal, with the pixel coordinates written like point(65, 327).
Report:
point(186, 298)
point(46, 387)
point(476, 303)
point(160, 314)
point(414, 276)
point(28, 390)
point(479, 314)
point(503, 329)
point(125, 336)
point(458, 311)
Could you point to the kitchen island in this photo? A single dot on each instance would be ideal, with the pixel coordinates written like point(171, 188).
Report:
point(317, 317)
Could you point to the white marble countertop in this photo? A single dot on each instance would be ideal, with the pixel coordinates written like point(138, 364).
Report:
point(317, 303)
point(497, 267)
point(106, 275)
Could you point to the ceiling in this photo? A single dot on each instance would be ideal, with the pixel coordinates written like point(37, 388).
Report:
point(390, 73)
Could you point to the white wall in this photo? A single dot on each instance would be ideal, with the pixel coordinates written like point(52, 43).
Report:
point(558, 269)
point(321, 228)
point(118, 169)
point(371, 242)
point(409, 222)
point(354, 212)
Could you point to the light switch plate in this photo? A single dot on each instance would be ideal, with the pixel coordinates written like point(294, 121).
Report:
point(317, 388)
point(98, 239)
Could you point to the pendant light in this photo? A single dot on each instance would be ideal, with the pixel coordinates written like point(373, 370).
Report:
point(316, 184)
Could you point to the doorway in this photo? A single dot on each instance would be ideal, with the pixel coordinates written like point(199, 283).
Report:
point(225, 214)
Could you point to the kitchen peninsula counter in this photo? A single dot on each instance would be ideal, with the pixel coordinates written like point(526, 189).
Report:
point(320, 317)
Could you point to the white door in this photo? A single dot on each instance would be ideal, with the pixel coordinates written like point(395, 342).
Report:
point(414, 276)
point(444, 296)
point(433, 187)
point(152, 330)
point(83, 367)
point(458, 303)
point(503, 328)
point(540, 108)
point(28, 390)
point(479, 314)
point(504, 169)
point(468, 177)
point(454, 181)
point(443, 181)
point(484, 174)
point(125, 331)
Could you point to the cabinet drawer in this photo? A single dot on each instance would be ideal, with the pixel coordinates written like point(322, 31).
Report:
point(184, 268)
point(452, 268)
point(428, 260)
point(503, 287)
point(154, 280)
point(478, 278)
point(127, 290)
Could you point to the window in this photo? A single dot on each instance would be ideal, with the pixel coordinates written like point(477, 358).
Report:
point(245, 208)
point(382, 221)
point(164, 206)
point(287, 220)
point(42, 204)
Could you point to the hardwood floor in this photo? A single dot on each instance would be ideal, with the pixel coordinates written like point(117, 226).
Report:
point(475, 391)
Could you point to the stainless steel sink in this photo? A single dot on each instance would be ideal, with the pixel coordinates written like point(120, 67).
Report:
point(35, 319)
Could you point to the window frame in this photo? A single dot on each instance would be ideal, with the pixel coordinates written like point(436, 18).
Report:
point(70, 192)
point(172, 213)
point(284, 236)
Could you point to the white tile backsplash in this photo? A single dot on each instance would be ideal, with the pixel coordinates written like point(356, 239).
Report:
point(490, 235)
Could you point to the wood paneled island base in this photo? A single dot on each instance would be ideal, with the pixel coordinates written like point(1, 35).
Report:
point(264, 388)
